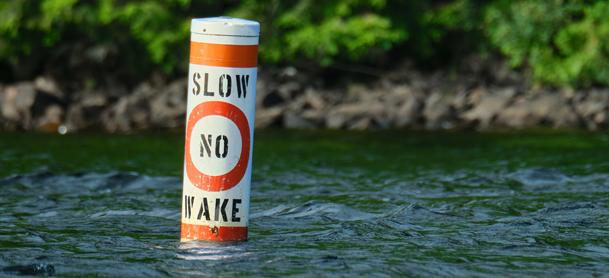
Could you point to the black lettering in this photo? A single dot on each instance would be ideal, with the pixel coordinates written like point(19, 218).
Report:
point(185, 213)
point(196, 76)
point(217, 211)
point(204, 210)
point(206, 145)
point(228, 85)
point(205, 92)
point(235, 210)
point(242, 84)
point(225, 139)
point(189, 202)
point(224, 218)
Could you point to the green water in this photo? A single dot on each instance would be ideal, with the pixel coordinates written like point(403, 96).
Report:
point(392, 153)
point(324, 203)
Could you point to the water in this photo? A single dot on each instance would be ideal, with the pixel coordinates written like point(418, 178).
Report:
point(324, 204)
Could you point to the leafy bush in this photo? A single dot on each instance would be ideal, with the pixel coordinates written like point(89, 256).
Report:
point(321, 30)
point(562, 42)
point(29, 28)
point(291, 30)
point(566, 43)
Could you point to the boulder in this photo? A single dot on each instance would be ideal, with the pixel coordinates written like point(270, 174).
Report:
point(437, 112)
point(314, 99)
point(347, 114)
point(267, 117)
point(592, 107)
point(490, 104)
point(467, 99)
point(168, 108)
point(115, 118)
point(407, 114)
point(294, 120)
point(51, 119)
point(16, 104)
point(549, 108)
point(48, 85)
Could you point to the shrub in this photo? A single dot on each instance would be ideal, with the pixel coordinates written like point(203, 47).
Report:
point(561, 42)
point(565, 43)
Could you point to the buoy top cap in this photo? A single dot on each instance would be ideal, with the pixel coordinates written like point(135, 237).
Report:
point(225, 26)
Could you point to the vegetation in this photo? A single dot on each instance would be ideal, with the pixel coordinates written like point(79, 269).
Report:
point(560, 42)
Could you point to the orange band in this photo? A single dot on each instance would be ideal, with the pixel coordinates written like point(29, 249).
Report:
point(224, 55)
point(204, 232)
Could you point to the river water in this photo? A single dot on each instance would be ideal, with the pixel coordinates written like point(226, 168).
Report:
point(324, 204)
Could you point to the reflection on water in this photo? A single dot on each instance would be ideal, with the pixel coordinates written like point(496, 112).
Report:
point(213, 251)
point(323, 204)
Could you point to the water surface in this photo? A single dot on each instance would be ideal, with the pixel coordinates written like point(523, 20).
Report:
point(324, 203)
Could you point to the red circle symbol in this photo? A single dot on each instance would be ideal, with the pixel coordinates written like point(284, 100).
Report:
point(234, 176)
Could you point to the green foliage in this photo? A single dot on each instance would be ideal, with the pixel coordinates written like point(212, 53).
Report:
point(561, 42)
point(29, 28)
point(321, 30)
point(566, 43)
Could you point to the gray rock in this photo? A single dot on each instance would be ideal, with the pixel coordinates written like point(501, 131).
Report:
point(168, 108)
point(115, 118)
point(316, 117)
point(552, 108)
point(288, 90)
point(347, 114)
point(592, 107)
point(75, 118)
point(361, 124)
point(266, 117)
point(467, 99)
point(314, 99)
point(437, 112)
point(293, 120)
point(490, 104)
point(408, 113)
point(49, 86)
point(92, 99)
point(51, 119)
point(17, 102)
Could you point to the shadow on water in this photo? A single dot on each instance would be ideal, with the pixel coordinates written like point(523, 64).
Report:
point(324, 203)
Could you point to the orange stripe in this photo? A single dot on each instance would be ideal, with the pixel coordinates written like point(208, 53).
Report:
point(204, 232)
point(224, 55)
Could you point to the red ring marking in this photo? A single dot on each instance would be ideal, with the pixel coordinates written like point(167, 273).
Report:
point(234, 176)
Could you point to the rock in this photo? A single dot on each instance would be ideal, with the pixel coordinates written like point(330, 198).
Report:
point(51, 119)
point(75, 118)
point(272, 99)
point(408, 113)
point(406, 106)
point(16, 104)
point(288, 90)
point(168, 108)
point(348, 113)
point(468, 99)
point(551, 108)
point(316, 117)
point(489, 105)
point(92, 99)
point(267, 117)
point(115, 119)
point(86, 109)
point(592, 107)
point(293, 120)
point(437, 112)
point(361, 124)
point(49, 86)
point(314, 99)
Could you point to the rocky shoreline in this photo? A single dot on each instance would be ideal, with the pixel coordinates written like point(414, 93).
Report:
point(289, 98)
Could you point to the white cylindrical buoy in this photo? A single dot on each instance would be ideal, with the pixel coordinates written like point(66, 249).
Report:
point(219, 129)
